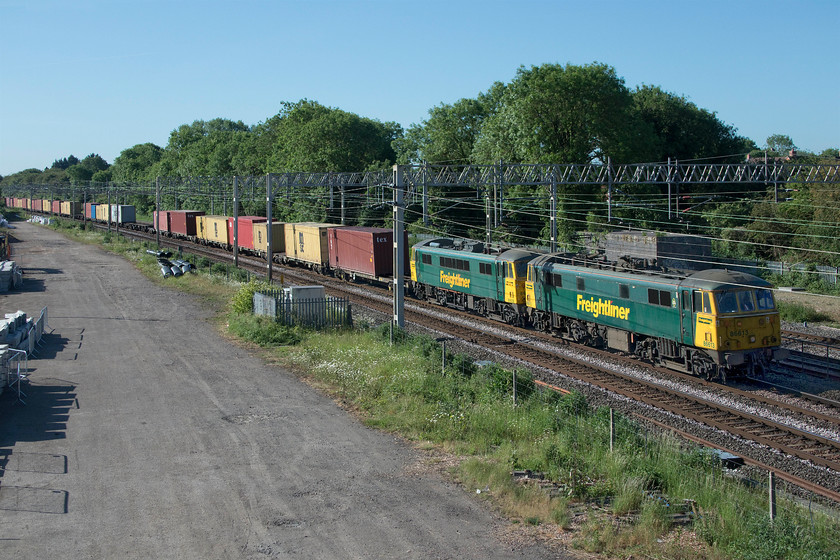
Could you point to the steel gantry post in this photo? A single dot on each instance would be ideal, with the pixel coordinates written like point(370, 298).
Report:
point(235, 238)
point(553, 213)
point(399, 248)
point(269, 202)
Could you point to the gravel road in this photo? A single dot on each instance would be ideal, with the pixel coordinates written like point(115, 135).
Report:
point(147, 435)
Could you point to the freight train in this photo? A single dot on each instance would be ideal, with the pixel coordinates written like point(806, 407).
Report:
point(713, 324)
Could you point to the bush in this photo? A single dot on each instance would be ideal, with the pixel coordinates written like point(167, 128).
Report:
point(799, 313)
point(243, 301)
point(263, 330)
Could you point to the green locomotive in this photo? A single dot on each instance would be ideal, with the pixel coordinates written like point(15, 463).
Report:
point(712, 323)
point(465, 276)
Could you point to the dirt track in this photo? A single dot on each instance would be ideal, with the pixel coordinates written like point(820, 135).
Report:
point(146, 435)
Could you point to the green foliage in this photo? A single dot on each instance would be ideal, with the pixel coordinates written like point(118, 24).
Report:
point(799, 313)
point(682, 131)
point(780, 144)
point(263, 330)
point(243, 301)
point(307, 136)
point(557, 114)
point(137, 164)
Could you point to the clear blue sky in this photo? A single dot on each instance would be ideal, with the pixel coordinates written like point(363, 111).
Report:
point(99, 76)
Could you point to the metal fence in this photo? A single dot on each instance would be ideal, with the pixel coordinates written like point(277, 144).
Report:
point(319, 313)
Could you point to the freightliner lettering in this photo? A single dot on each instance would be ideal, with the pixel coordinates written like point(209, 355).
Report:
point(454, 280)
point(601, 307)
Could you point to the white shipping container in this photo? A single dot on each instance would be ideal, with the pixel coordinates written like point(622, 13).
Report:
point(123, 213)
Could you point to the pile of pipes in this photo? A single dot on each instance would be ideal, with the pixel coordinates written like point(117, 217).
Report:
point(168, 267)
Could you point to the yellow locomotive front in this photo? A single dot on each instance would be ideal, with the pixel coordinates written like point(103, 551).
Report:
point(736, 322)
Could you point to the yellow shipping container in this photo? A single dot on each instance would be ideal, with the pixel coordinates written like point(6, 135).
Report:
point(103, 212)
point(307, 242)
point(70, 208)
point(277, 234)
point(212, 228)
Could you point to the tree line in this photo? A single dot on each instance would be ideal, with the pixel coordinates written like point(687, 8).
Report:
point(546, 114)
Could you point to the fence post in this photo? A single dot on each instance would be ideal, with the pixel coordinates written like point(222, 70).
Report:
point(772, 495)
point(612, 429)
point(514, 387)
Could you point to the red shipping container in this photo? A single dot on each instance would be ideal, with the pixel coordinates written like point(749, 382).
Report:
point(182, 222)
point(364, 250)
point(56, 207)
point(245, 230)
point(161, 220)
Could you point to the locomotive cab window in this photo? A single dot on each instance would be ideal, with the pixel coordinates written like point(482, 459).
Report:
point(765, 299)
point(745, 300)
point(485, 268)
point(702, 302)
point(726, 302)
point(427, 259)
point(555, 280)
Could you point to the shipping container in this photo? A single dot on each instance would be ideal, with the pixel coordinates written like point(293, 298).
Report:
point(161, 220)
point(103, 212)
point(308, 243)
point(56, 207)
point(245, 230)
point(182, 222)
point(213, 229)
point(46, 206)
point(69, 208)
point(123, 214)
point(277, 237)
point(364, 250)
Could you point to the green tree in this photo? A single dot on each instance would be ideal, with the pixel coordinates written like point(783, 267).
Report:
point(682, 131)
point(450, 133)
point(79, 173)
point(557, 114)
point(137, 164)
point(307, 136)
point(206, 148)
point(64, 163)
point(780, 144)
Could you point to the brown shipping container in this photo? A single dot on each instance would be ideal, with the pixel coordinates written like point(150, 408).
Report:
point(56, 207)
point(307, 242)
point(364, 250)
point(182, 222)
point(277, 235)
point(244, 230)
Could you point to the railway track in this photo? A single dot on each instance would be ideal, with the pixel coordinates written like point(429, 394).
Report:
point(805, 445)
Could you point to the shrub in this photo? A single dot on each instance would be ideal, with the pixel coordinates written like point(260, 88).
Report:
point(799, 313)
point(263, 330)
point(243, 301)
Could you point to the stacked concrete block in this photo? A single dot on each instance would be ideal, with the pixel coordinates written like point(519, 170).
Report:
point(10, 276)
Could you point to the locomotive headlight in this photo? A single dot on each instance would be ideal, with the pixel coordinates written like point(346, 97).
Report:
point(752, 338)
point(738, 323)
